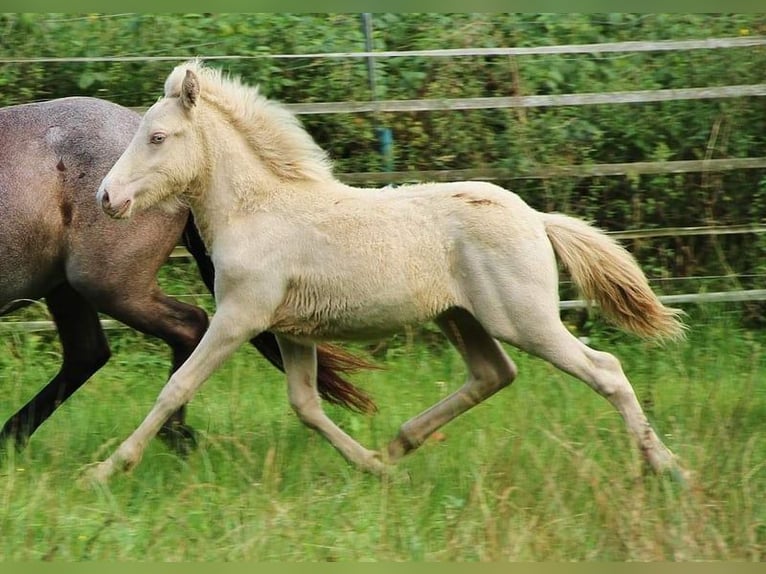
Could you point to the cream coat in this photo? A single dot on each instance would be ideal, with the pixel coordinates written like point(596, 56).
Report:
point(302, 255)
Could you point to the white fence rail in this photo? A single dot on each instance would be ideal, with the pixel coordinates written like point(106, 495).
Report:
point(549, 171)
point(487, 103)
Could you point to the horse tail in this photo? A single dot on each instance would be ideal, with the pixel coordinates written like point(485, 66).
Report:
point(605, 272)
point(331, 360)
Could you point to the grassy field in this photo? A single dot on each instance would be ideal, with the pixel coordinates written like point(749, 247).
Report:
point(542, 471)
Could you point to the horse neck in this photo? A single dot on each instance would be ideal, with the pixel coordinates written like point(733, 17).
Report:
point(236, 184)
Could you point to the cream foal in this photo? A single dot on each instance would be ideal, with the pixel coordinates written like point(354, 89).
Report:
point(308, 258)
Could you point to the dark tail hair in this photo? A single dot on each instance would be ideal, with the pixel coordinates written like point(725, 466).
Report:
point(331, 360)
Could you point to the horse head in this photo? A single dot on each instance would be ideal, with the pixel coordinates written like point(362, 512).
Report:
point(163, 159)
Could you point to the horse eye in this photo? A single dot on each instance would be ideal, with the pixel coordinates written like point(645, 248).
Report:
point(157, 138)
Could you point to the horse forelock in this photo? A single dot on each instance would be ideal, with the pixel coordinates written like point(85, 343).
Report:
point(273, 131)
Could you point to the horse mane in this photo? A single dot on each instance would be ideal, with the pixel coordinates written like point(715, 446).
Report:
point(274, 132)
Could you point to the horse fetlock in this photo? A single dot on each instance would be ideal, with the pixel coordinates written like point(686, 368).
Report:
point(16, 432)
point(405, 442)
point(96, 474)
point(372, 462)
point(665, 463)
point(126, 457)
point(660, 458)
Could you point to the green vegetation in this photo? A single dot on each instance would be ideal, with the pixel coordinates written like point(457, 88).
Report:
point(542, 471)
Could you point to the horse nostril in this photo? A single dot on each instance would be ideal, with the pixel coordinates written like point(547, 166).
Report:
point(105, 198)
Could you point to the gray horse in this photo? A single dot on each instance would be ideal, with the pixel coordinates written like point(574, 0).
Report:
point(82, 262)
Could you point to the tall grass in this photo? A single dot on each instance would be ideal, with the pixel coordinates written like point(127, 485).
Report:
point(544, 470)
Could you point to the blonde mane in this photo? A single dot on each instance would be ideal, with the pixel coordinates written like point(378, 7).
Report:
point(274, 132)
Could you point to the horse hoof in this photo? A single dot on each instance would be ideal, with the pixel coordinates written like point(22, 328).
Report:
point(180, 438)
point(13, 438)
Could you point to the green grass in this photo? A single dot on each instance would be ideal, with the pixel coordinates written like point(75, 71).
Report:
point(544, 470)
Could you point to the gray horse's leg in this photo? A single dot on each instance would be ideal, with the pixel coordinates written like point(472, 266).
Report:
point(300, 362)
point(85, 351)
point(489, 370)
point(147, 309)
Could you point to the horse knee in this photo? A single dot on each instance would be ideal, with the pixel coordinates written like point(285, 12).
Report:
point(195, 325)
point(187, 332)
point(83, 366)
point(101, 357)
point(127, 456)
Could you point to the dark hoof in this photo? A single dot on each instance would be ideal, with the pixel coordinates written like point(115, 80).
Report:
point(180, 438)
point(12, 439)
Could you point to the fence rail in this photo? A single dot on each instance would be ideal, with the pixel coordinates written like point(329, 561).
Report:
point(688, 298)
point(487, 103)
point(596, 48)
point(498, 102)
point(548, 171)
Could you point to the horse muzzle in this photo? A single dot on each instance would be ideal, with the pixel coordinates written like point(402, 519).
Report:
point(119, 210)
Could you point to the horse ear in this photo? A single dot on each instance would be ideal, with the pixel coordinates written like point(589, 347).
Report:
point(189, 90)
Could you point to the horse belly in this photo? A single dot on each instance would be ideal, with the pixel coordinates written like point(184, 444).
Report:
point(357, 311)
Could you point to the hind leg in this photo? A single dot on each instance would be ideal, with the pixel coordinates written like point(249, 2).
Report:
point(489, 370)
point(85, 351)
point(542, 334)
point(301, 371)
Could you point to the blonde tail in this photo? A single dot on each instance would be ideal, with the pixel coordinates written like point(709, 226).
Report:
point(607, 273)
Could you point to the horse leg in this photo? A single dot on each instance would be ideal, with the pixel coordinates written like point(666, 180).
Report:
point(180, 325)
point(603, 373)
point(226, 333)
point(539, 331)
point(136, 301)
point(489, 370)
point(85, 351)
point(300, 362)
